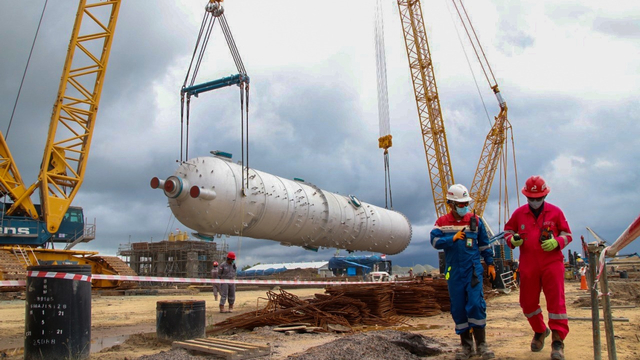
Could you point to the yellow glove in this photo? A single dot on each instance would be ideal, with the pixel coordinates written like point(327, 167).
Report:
point(516, 240)
point(549, 244)
point(491, 271)
point(460, 235)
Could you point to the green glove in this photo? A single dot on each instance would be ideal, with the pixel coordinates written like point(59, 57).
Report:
point(550, 244)
point(516, 240)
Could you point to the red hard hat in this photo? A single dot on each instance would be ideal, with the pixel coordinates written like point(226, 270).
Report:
point(535, 187)
point(215, 263)
point(231, 255)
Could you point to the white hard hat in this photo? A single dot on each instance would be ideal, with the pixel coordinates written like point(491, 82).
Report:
point(458, 193)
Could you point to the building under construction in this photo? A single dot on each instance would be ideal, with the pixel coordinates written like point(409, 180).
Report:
point(177, 257)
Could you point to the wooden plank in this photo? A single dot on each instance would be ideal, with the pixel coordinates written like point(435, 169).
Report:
point(228, 349)
point(227, 354)
point(233, 342)
point(601, 319)
point(231, 347)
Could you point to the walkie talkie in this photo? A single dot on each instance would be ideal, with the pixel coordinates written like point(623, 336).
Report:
point(473, 227)
point(473, 222)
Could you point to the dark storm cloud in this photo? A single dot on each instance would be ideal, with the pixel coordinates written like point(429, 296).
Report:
point(309, 118)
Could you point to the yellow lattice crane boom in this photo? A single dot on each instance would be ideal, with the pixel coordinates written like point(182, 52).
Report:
point(492, 153)
point(428, 102)
point(430, 114)
point(72, 122)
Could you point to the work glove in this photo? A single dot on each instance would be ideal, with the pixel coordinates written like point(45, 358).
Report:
point(549, 244)
point(491, 271)
point(460, 235)
point(516, 240)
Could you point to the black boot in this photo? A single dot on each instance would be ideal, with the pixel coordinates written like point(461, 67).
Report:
point(557, 346)
point(537, 343)
point(481, 344)
point(466, 340)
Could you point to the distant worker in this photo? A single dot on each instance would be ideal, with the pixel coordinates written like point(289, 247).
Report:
point(464, 239)
point(411, 273)
point(541, 231)
point(214, 275)
point(227, 290)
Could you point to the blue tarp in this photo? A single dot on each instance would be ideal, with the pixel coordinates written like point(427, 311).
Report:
point(344, 262)
point(264, 272)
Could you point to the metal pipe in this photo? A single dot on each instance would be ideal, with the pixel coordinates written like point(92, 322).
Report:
point(627, 236)
point(205, 194)
point(594, 252)
point(606, 314)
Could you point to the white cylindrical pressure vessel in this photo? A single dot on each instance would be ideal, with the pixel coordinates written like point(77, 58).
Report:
point(205, 194)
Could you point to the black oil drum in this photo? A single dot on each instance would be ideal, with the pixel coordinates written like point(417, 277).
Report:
point(180, 319)
point(58, 313)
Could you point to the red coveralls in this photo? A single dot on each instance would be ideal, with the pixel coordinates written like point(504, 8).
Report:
point(541, 269)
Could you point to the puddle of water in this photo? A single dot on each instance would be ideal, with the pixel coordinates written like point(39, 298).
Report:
point(96, 345)
point(107, 342)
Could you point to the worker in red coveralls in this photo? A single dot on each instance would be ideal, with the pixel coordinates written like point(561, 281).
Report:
point(541, 231)
point(463, 237)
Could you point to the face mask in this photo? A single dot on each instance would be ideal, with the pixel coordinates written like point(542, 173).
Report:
point(462, 211)
point(535, 205)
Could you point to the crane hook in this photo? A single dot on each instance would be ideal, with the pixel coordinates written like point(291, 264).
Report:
point(215, 8)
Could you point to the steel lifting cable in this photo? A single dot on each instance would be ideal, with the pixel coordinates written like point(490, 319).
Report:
point(206, 27)
point(6, 135)
point(232, 45)
point(387, 180)
point(244, 96)
point(385, 139)
point(473, 45)
point(466, 56)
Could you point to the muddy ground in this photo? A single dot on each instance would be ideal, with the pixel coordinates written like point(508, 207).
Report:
point(123, 327)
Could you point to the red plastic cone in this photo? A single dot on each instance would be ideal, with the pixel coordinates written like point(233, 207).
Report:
point(583, 283)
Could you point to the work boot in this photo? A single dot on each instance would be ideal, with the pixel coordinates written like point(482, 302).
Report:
point(537, 343)
point(557, 346)
point(466, 340)
point(481, 344)
point(230, 308)
point(222, 309)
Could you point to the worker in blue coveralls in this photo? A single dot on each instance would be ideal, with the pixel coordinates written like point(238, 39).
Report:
point(464, 239)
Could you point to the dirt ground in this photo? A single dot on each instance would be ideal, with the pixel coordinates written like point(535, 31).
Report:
point(123, 327)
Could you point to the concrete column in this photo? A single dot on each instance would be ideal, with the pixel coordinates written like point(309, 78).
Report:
point(161, 264)
point(192, 264)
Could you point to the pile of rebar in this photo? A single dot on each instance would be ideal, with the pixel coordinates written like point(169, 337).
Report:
point(377, 297)
point(419, 298)
point(321, 311)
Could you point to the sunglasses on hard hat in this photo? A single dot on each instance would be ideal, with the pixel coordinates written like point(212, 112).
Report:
point(461, 204)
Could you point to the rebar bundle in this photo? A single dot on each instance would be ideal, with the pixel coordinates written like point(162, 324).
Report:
point(321, 311)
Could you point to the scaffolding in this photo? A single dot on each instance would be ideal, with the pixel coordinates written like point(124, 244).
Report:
point(173, 258)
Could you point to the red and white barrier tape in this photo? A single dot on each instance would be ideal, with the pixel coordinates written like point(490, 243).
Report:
point(58, 275)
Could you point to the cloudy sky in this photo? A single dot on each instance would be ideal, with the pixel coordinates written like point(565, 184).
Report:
point(569, 71)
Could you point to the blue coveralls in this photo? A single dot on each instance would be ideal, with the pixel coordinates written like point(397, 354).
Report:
point(468, 307)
